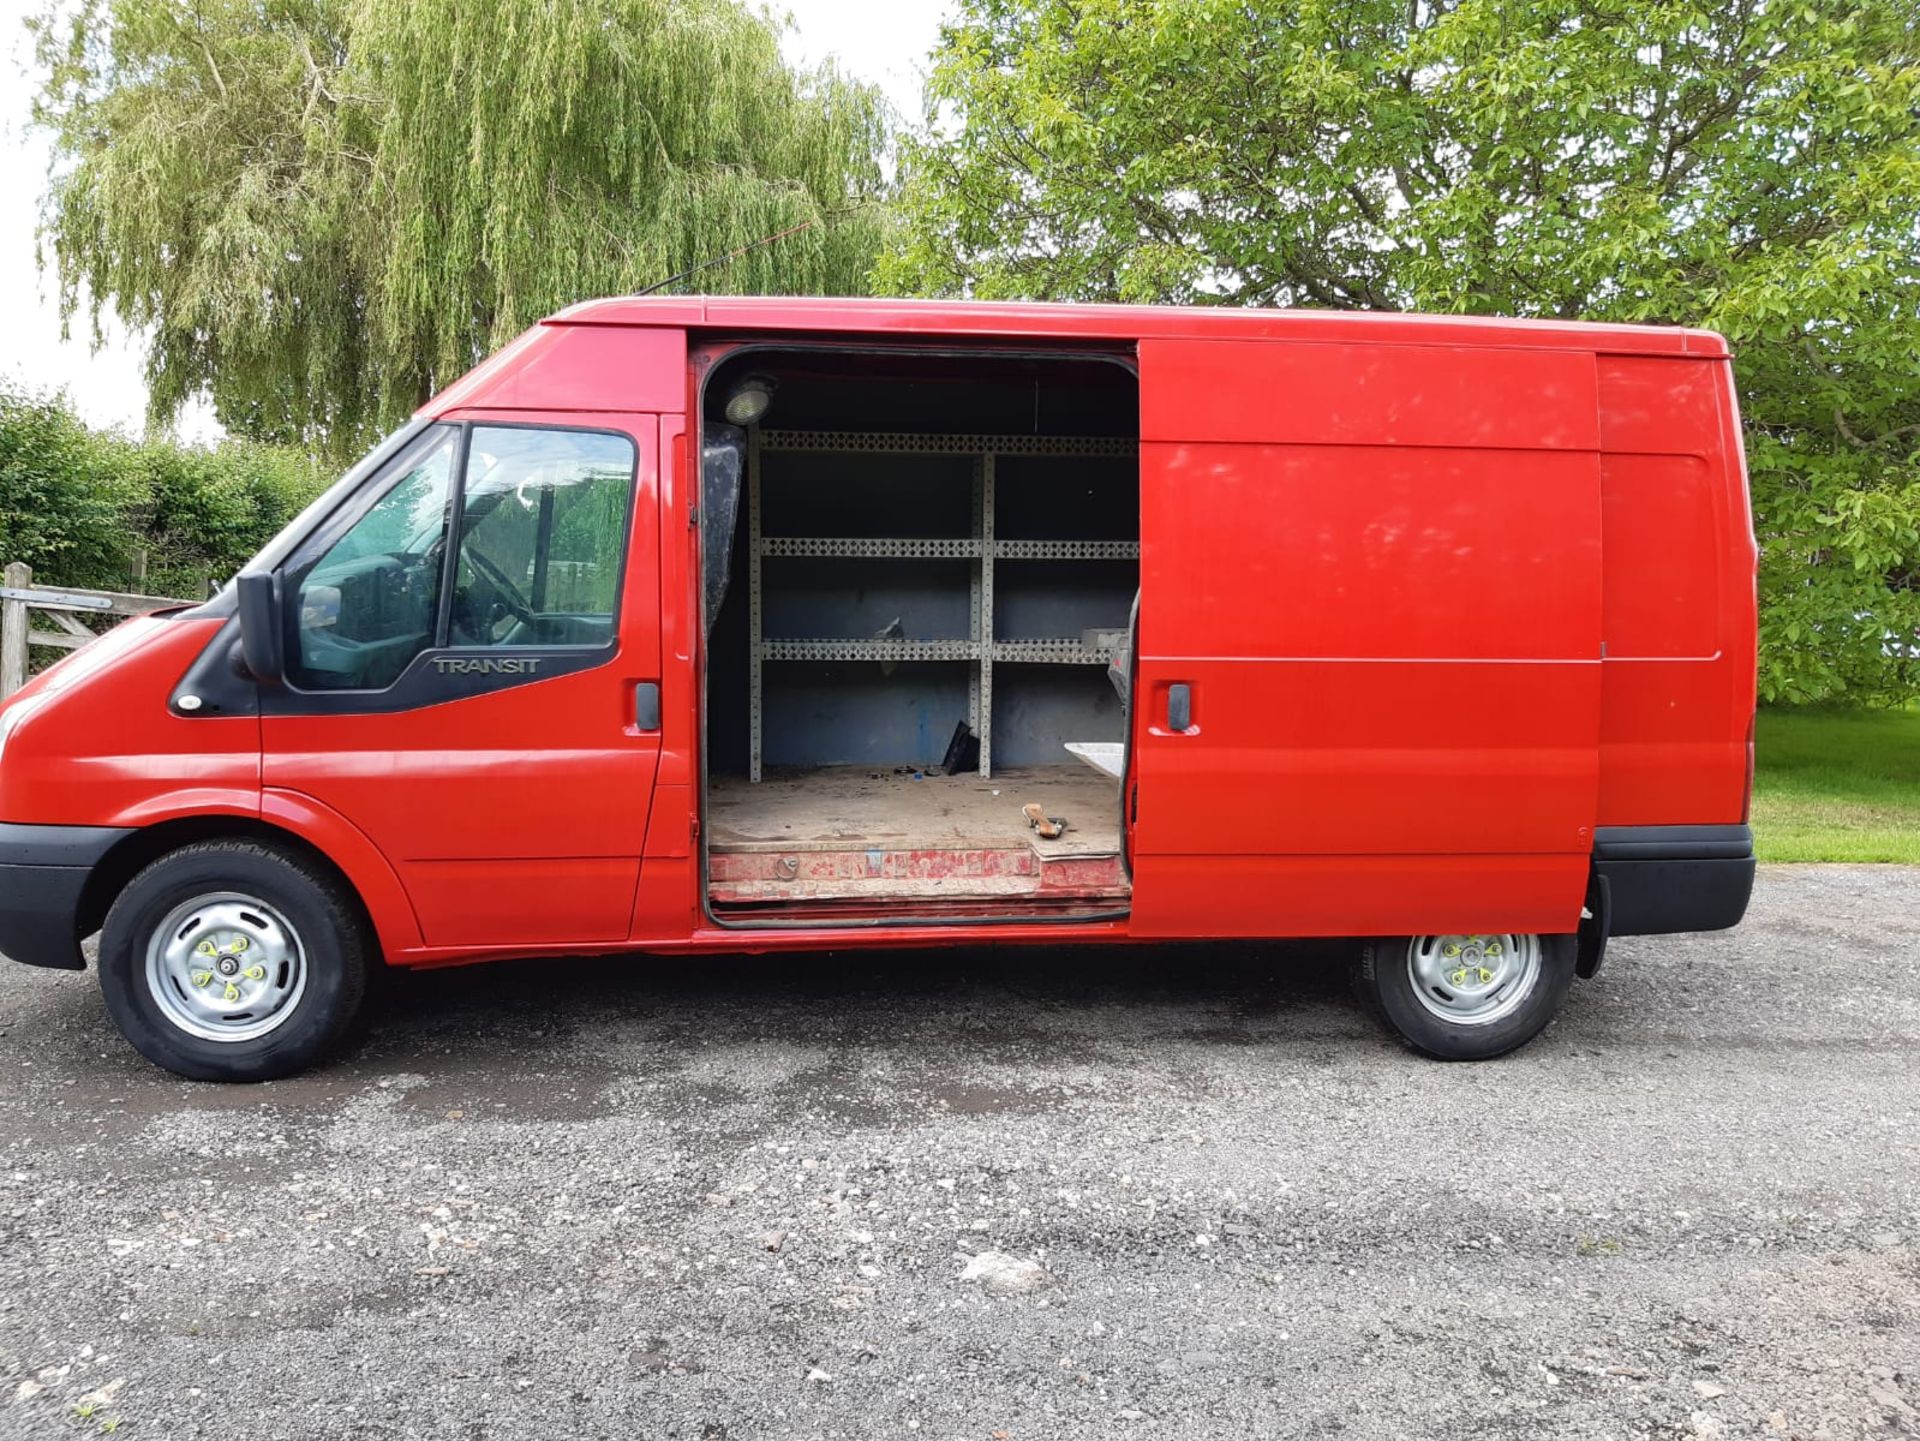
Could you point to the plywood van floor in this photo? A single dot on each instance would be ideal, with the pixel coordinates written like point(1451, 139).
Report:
point(837, 806)
point(860, 833)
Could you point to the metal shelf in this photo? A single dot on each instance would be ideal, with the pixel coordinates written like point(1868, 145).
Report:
point(1066, 550)
point(979, 651)
point(865, 548)
point(1050, 652)
point(850, 649)
point(859, 548)
point(862, 442)
point(1043, 651)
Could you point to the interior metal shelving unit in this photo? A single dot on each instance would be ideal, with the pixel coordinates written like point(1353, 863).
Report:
point(983, 548)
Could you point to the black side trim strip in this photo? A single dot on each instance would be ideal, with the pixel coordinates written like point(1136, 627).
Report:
point(1672, 843)
point(24, 845)
point(39, 915)
point(43, 872)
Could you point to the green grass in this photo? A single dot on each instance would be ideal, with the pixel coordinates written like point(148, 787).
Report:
point(1837, 785)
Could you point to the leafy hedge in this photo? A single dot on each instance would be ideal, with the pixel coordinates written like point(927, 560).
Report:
point(77, 503)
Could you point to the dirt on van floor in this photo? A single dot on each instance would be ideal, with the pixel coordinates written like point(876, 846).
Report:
point(980, 1195)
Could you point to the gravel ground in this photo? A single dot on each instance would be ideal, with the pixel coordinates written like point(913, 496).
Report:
point(741, 1199)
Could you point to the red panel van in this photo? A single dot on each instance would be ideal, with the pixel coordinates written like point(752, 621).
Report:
point(739, 624)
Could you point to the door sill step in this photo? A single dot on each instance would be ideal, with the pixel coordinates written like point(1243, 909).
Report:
point(1019, 874)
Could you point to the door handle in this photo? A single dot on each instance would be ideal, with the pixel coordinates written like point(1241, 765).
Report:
point(646, 705)
point(1179, 706)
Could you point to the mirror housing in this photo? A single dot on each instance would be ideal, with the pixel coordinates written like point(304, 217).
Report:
point(258, 592)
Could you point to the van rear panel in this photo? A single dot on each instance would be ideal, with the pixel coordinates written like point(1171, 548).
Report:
point(1680, 622)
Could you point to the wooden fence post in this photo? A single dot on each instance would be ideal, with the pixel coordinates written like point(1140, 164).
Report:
point(138, 570)
point(13, 631)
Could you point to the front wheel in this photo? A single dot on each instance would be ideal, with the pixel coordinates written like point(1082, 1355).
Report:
point(234, 961)
point(1466, 998)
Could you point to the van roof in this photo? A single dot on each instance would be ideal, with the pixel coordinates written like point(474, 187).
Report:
point(1029, 319)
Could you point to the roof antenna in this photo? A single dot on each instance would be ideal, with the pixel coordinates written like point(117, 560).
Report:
point(739, 251)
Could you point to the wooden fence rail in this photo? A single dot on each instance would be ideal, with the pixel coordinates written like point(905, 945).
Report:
point(21, 599)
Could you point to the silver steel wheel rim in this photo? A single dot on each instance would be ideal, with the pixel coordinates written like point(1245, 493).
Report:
point(1473, 980)
point(226, 967)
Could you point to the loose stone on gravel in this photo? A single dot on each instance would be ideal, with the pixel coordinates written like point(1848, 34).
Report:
point(1004, 1275)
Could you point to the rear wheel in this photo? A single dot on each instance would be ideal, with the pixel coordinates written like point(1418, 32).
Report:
point(1466, 997)
point(234, 961)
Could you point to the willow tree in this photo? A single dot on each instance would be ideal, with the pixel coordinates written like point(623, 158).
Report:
point(322, 210)
point(1750, 165)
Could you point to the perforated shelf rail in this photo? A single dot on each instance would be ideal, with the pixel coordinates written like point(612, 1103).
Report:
point(880, 548)
point(900, 650)
point(875, 549)
point(1046, 651)
point(877, 442)
point(982, 549)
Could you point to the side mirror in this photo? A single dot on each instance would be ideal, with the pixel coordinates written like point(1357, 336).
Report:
point(260, 643)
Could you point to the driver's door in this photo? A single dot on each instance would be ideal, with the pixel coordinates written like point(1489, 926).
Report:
point(473, 661)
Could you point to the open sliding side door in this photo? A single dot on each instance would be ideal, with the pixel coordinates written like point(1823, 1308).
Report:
point(1367, 686)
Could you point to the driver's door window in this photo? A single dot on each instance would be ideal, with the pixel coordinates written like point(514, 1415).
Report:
point(542, 532)
point(367, 606)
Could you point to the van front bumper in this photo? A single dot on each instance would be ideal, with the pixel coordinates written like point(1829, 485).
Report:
point(1665, 879)
point(43, 871)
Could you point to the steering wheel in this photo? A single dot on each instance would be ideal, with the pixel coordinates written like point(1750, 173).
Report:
point(505, 591)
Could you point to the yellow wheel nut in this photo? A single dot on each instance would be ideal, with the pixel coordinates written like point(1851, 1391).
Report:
point(239, 944)
point(256, 973)
point(1485, 975)
point(202, 978)
point(1493, 948)
point(206, 948)
point(1450, 950)
point(232, 992)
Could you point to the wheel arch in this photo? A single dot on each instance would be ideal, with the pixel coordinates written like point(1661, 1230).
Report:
point(134, 852)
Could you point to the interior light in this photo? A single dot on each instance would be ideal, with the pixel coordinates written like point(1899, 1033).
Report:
point(749, 400)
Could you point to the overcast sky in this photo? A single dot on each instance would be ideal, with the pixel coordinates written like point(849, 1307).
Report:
point(886, 44)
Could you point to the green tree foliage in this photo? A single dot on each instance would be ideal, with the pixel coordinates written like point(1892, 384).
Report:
point(64, 495)
point(76, 503)
point(323, 210)
point(1751, 166)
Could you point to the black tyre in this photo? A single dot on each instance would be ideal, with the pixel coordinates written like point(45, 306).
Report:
point(234, 961)
point(1466, 998)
